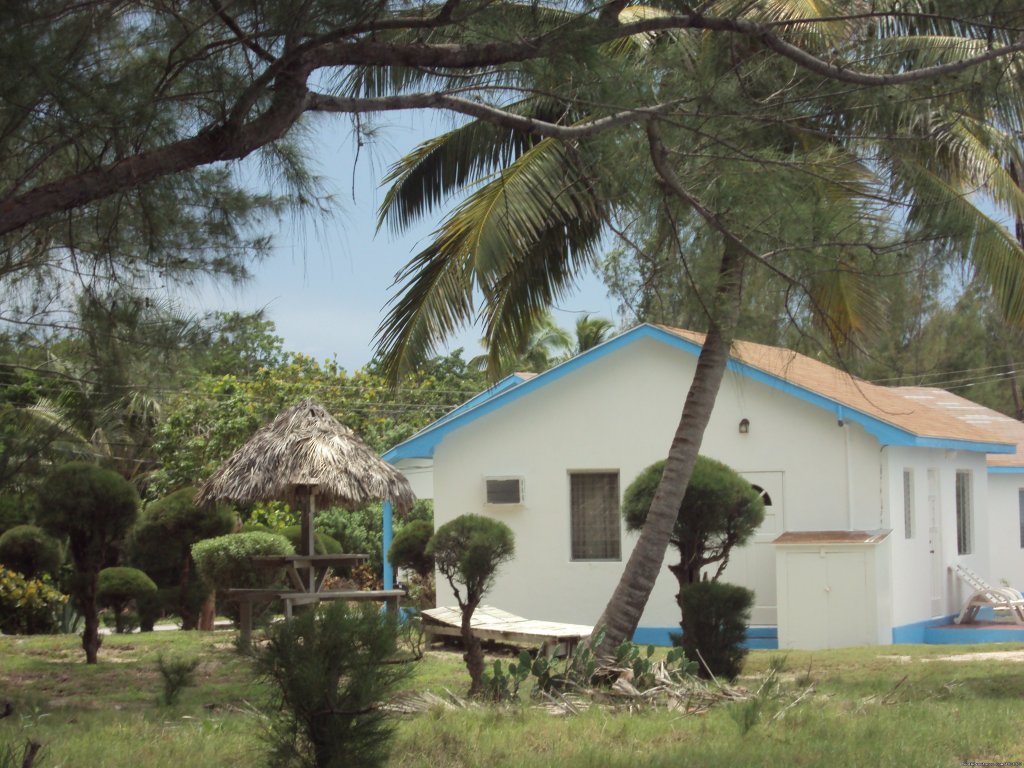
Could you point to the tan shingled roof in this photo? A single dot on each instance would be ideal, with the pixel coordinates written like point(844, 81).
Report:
point(814, 538)
point(902, 407)
point(1006, 429)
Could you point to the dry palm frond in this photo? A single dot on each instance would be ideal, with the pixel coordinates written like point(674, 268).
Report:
point(306, 447)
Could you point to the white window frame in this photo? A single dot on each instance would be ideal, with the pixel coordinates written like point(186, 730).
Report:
point(1020, 514)
point(504, 479)
point(964, 511)
point(909, 528)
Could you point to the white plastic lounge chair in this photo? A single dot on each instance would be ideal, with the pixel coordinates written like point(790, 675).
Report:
point(1000, 599)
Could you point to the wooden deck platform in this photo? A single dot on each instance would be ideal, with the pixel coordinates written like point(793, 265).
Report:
point(491, 623)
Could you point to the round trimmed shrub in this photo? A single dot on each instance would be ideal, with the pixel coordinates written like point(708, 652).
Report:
point(162, 544)
point(30, 551)
point(95, 508)
point(717, 615)
point(469, 550)
point(226, 561)
point(720, 511)
point(409, 548)
point(117, 587)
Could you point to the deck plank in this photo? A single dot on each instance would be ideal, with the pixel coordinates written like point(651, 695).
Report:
point(490, 623)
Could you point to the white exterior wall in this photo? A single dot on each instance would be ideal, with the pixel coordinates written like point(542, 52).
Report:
point(834, 595)
point(923, 584)
point(618, 413)
point(420, 474)
point(1007, 555)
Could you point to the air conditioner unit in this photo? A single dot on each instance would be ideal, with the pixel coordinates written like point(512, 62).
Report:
point(504, 490)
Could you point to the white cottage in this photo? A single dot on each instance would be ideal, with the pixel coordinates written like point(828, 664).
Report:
point(873, 493)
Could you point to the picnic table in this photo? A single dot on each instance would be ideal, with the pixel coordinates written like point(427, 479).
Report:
point(307, 575)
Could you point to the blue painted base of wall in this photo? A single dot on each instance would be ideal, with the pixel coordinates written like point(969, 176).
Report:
point(942, 631)
point(915, 633)
point(759, 638)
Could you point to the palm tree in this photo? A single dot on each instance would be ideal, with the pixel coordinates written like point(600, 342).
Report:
point(548, 344)
point(779, 167)
point(591, 331)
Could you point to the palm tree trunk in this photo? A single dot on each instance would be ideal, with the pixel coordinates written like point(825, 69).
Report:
point(622, 614)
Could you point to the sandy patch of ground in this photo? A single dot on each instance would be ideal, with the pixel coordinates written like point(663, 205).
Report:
point(1017, 656)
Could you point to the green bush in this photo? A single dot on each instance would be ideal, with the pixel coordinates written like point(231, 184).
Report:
point(117, 587)
point(720, 511)
point(94, 508)
point(409, 548)
point(29, 606)
point(359, 531)
point(17, 509)
point(717, 615)
point(468, 551)
point(332, 669)
point(323, 544)
point(226, 561)
point(177, 674)
point(162, 544)
point(30, 551)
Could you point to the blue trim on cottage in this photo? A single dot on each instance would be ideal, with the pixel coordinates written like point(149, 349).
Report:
point(422, 445)
point(758, 638)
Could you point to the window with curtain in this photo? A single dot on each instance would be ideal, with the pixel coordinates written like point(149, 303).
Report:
point(594, 513)
point(908, 503)
point(1020, 512)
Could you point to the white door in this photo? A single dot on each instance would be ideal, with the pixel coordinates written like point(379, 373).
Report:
point(753, 566)
point(827, 603)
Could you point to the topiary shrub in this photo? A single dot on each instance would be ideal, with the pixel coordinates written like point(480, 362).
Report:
point(468, 550)
point(333, 669)
point(94, 508)
point(162, 546)
point(226, 561)
point(717, 615)
point(117, 587)
point(30, 551)
point(409, 548)
point(720, 511)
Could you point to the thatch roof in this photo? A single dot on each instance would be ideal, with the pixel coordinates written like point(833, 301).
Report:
point(306, 447)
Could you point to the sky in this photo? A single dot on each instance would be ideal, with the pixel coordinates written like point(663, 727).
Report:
point(327, 281)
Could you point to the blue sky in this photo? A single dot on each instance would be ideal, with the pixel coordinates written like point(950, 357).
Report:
point(327, 282)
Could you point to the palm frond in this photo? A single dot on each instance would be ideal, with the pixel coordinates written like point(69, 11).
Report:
point(446, 164)
point(940, 209)
point(534, 207)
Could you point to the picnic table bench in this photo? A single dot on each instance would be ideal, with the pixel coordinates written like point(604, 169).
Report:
point(307, 575)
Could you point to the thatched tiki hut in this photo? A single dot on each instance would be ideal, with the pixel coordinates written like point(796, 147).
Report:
point(307, 457)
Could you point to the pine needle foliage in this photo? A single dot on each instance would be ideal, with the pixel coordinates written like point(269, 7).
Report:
point(332, 669)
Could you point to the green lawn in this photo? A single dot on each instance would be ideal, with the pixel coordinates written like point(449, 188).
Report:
point(890, 706)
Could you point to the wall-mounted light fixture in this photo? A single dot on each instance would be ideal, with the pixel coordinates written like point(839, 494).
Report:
point(744, 426)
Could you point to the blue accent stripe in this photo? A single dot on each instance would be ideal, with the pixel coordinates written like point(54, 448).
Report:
point(509, 381)
point(423, 444)
point(1006, 470)
point(915, 632)
point(949, 635)
point(758, 638)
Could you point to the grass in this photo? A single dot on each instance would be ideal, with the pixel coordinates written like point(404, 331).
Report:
point(854, 707)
